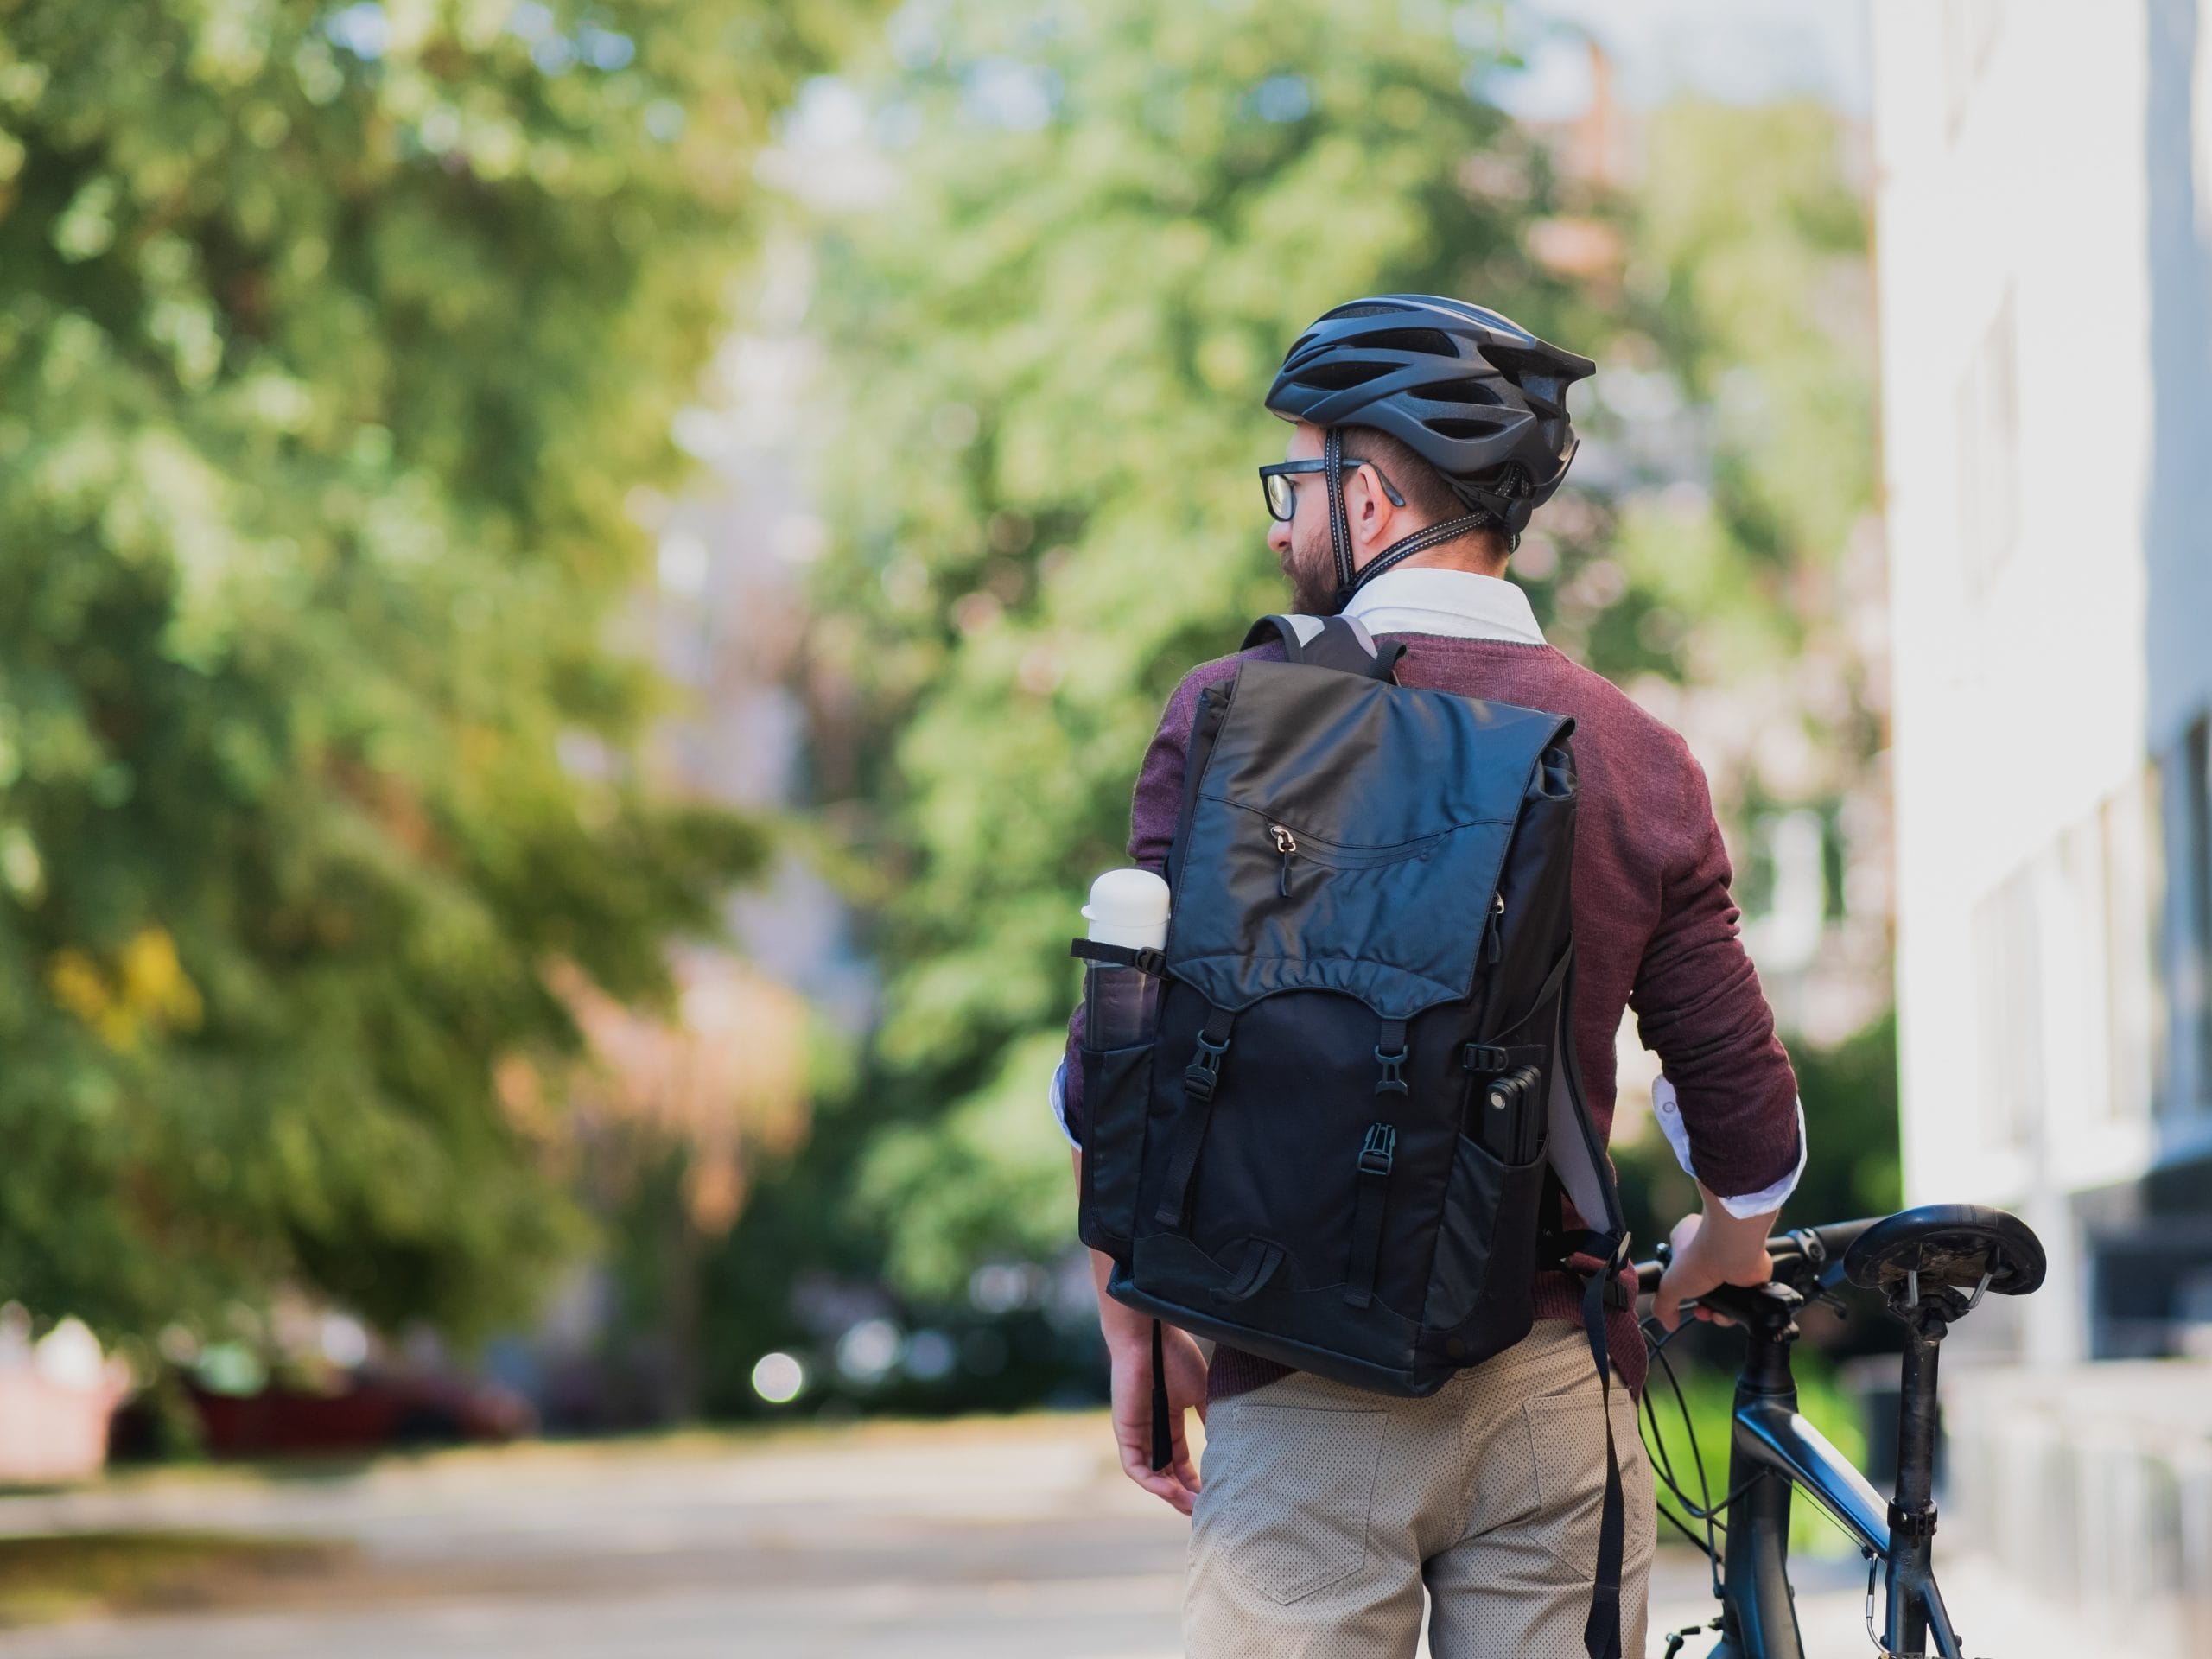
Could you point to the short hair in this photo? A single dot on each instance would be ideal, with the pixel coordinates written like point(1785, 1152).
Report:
point(1428, 491)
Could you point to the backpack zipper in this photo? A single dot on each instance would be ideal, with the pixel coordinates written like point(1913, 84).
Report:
point(1286, 844)
point(1320, 850)
point(1495, 933)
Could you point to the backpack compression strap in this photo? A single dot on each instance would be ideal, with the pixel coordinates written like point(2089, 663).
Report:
point(1601, 1633)
point(1337, 642)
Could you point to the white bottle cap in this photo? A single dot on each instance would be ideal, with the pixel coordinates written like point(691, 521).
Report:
point(1128, 908)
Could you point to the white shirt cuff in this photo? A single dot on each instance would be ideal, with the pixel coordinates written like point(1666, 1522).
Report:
point(1669, 1111)
point(1060, 1101)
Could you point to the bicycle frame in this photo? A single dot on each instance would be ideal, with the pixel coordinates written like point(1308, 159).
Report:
point(1924, 1263)
point(1771, 1437)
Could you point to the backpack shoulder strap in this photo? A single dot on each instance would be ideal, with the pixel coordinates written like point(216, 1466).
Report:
point(1337, 642)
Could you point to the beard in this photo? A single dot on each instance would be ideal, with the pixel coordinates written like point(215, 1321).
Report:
point(1313, 580)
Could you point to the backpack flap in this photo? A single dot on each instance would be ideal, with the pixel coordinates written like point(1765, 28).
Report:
point(1324, 864)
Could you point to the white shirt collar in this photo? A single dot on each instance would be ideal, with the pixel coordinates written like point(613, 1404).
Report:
point(1456, 604)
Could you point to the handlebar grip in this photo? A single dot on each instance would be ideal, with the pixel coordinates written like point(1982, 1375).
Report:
point(1822, 1245)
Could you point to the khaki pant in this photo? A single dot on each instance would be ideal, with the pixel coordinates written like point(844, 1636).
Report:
point(1325, 1508)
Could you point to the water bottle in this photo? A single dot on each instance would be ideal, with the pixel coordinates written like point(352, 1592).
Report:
point(1121, 1005)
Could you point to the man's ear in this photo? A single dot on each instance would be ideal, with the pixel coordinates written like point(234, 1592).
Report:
point(1369, 511)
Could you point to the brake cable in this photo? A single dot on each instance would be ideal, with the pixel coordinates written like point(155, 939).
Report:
point(1662, 1461)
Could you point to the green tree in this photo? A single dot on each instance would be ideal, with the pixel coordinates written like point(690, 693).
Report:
point(1747, 287)
point(332, 341)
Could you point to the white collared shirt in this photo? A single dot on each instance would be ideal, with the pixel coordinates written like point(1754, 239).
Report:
point(1449, 604)
point(1463, 604)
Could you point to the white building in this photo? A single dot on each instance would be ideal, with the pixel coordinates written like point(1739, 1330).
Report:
point(2045, 238)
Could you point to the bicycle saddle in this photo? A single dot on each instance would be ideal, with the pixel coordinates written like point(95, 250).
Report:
point(1951, 1245)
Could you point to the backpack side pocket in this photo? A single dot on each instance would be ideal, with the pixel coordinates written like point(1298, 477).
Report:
point(1478, 1299)
point(1116, 1086)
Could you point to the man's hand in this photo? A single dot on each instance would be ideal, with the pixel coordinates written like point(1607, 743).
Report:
point(1128, 1352)
point(1710, 1250)
point(1131, 1351)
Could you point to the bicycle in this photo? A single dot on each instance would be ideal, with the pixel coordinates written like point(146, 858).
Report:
point(1932, 1266)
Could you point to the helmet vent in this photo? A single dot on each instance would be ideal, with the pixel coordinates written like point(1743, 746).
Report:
point(1428, 342)
point(1336, 377)
point(1462, 430)
point(1470, 390)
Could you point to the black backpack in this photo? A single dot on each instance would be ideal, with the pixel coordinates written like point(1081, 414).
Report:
point(1345, 1149)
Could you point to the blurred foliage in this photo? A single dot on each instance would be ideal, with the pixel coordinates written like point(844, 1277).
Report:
point(1851, 1092)
point(1681, 1429)
point(1050, 334)
point(1748, 272)
point(332, 339)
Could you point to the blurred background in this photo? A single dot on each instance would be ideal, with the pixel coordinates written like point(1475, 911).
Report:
point(581, 587)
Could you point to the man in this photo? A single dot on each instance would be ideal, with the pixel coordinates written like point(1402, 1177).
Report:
point(1426, 432)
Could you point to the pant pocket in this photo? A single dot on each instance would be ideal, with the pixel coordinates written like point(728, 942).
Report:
point(1288, 1491)
point(1115, 1084)
point(1567, 1434)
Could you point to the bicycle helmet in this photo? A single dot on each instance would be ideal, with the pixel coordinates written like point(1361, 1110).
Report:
point(1473, 393)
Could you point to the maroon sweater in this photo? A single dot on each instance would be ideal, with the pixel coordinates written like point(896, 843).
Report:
point(1655, 928)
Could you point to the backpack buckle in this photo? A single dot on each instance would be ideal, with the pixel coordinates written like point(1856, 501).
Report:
point(1379, 1150)
point(1485, 1057)
point(1393, 1080)
point(1204, 1069)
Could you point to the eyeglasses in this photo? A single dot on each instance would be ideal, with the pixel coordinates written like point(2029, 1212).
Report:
point(1282, 495)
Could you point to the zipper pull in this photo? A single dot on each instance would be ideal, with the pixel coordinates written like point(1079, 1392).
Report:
point(1497, 929)
point(1286, 844)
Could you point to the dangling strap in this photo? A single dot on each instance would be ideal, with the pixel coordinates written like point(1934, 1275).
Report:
point(1163, 1441)
point(1337, 642)
point(1601, 1635)
point(1377, 1154)
point(1200, 1078)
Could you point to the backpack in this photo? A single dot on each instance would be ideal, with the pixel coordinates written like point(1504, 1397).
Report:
point(1345, 1146)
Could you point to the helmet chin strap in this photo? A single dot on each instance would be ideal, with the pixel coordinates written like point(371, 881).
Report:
point(1332, 471)
point(1348, 582)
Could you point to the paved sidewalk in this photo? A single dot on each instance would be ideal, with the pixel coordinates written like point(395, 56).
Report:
point(1010, 1539)
point(978, 1539)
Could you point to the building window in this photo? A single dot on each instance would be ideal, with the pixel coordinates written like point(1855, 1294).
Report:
point(2008, 980)
point(1969, 40)
point(1989, 452)
point(2134, 891)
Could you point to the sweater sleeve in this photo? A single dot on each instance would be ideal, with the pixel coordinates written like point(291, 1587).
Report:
point(1157, 802)
point(1733, 1116)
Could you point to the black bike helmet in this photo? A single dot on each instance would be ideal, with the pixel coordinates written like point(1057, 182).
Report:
point(1471, 392)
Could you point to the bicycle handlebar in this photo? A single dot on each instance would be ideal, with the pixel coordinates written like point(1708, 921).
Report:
point(1802, 1253)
